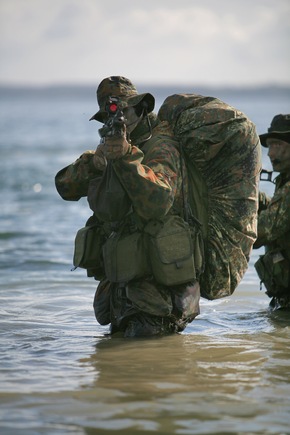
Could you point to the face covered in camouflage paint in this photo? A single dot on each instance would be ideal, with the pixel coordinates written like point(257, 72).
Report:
point(279, 154)
point(131, 118)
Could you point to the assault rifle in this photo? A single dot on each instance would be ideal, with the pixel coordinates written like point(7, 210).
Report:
point(112, 202)
point(115, 124)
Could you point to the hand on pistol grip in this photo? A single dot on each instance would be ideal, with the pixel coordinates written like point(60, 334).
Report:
point(115, 147)
point(99, 159)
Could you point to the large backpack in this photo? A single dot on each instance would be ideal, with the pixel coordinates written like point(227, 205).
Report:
point(223, 158)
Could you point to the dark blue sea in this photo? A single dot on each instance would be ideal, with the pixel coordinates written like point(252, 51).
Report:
point(228, 373)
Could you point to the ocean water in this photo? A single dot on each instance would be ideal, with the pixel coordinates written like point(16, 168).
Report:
point(228, 373)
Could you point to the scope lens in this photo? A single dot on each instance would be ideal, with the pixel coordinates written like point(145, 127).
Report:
point(113, 107)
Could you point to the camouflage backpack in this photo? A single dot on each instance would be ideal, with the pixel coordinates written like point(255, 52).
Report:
point(223, 158)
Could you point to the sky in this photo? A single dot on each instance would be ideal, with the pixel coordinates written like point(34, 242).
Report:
point(205, 42)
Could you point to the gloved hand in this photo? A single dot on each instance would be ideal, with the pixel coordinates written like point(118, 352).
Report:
point(99, 159)
point(115, 147)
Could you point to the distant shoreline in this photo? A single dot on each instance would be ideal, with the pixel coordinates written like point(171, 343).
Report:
point(84, 90)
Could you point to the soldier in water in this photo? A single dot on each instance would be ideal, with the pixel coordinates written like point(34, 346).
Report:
point(273, 267)
point(175, 199)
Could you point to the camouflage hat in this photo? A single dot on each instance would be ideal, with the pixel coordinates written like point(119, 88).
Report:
point(120, 87)
point(279, 128)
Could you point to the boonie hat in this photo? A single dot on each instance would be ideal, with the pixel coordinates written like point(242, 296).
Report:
point(122, 88)
point(279, 128)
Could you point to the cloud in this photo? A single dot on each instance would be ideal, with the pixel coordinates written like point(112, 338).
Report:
point(195, 41)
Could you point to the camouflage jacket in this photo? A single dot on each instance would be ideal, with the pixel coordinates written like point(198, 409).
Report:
point(274, 220)
point(152, 179)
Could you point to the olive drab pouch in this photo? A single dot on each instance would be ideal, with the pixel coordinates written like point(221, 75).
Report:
point(172, 251)
point(273, 270)
point(107, 197)
point(88, 247)
point(125, 257)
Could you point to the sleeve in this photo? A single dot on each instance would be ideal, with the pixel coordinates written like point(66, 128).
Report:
point(72, 182)
point(274, 222)
point(151, 181)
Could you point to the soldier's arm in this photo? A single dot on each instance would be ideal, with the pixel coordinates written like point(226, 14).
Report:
point(152, 181)
point(72, 181)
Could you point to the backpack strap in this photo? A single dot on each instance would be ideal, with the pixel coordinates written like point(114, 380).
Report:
point(197, 195)
point(191, 203)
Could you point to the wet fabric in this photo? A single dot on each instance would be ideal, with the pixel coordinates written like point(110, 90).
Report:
point(144, 326)
point(163, 309)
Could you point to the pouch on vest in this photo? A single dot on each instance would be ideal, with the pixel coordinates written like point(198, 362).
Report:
point(125, 257)
point(88, 247)
point(107, 197)
point(273, 270)
point(171, 251)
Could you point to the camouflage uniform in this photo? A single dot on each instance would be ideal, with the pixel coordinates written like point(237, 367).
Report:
point(274, 220)
point(274, 224)
point(155, 178)
point(155, 189)
point(154, 184)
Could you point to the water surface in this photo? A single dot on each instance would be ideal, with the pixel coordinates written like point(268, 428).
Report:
point(60, 373)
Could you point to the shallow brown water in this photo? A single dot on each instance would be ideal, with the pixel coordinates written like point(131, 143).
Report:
point(61, 374)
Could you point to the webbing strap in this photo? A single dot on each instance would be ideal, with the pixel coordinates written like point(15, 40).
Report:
point(198, 195)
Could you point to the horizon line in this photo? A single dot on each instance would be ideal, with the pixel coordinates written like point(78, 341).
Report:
point(10, 85)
